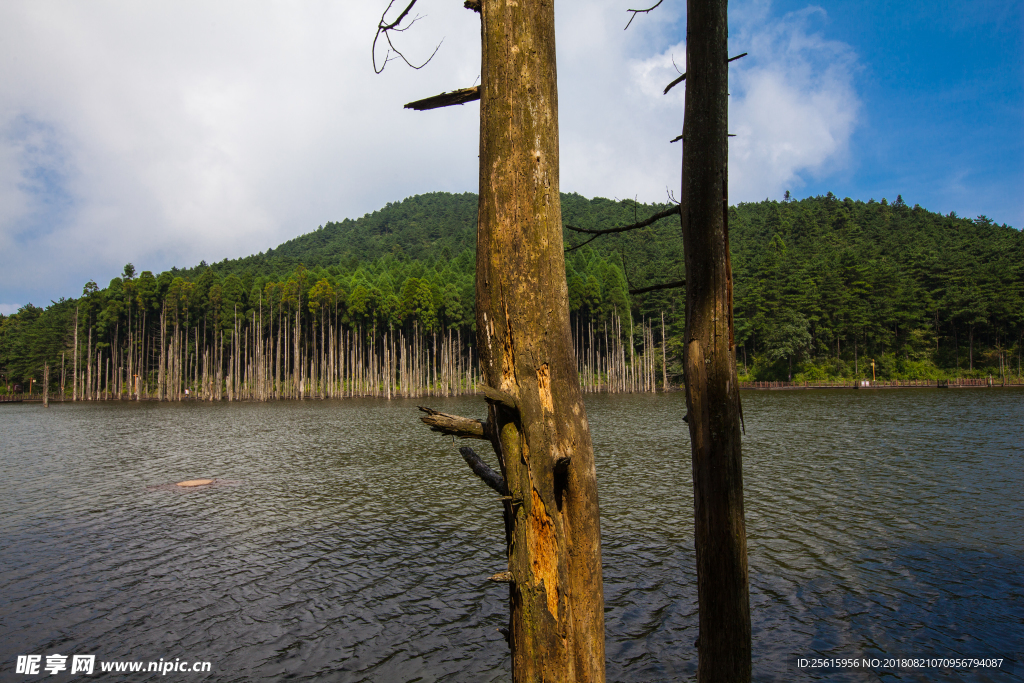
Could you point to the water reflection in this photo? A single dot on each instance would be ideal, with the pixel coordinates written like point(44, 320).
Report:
point(353, 544)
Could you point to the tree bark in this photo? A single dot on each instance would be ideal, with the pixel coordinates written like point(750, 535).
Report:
point(543, 443)
point(712, 395)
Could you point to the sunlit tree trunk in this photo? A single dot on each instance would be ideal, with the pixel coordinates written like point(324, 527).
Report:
point(526, 352)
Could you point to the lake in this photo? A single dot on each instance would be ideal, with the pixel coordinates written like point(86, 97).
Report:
point(346, 542)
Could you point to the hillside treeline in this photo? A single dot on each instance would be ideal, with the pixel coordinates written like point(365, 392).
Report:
point(823, 284)
point(383, 305)
point(391, 327)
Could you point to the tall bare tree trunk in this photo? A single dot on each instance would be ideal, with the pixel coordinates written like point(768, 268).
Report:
point(277, 364)
point(712, 392)
point(161, 379)
point(297, 356)
point(526, 352)
point(664, 361)
point(88, 369)
point(74, 390)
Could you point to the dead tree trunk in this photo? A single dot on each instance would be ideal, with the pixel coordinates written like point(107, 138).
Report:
point(536, 420)
point(525, 342)
point(74, 390)
point(712, 394)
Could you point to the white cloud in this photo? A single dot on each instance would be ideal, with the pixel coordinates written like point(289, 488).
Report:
point(792, 103)
point(167, 133)
point(196, 131)
point(615, 123)
point(793, 107)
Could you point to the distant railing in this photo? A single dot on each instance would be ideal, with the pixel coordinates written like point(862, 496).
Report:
point(886, 384)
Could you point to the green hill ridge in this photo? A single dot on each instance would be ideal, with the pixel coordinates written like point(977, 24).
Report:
point(820, 284)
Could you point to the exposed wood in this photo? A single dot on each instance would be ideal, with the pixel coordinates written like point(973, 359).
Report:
point(462, 427)
point(446, 99)
point(712, 392)
point(483, 470)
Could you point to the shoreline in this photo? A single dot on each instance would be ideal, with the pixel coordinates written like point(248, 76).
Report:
point(988, 383)
point(744, 386)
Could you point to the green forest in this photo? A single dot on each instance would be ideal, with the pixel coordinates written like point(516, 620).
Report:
point(383, 305)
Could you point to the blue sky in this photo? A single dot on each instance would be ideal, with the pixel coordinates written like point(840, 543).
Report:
point(169, 133)
point(942, 87)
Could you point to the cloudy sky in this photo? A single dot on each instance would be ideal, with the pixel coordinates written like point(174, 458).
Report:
point(164, 133)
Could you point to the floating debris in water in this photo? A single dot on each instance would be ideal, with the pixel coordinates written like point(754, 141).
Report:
point(195, 482)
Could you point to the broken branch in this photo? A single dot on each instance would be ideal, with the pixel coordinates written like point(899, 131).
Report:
point(642, 224)
point(683, 77)
point(654, 288)
point(385, 28)
point(641, 11)
point(472, 4)
point(492, 395)
point(674, 84)
point(583, 243)
point(483, 470)
point(462, 427)
point(446, 99)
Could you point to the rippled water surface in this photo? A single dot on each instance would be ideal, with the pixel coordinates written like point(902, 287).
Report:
point(346, 542)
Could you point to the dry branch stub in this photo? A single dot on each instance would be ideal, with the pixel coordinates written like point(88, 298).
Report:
point(496, 396)
point(446, 99)
point(462, 427)
point(484, 471)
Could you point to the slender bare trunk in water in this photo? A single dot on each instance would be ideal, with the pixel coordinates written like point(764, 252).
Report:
point(712, 392)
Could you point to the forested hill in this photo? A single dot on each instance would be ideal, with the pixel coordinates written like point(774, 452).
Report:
point(423, 227)
point(431, 226)
point(811, 274)
point(820, 284)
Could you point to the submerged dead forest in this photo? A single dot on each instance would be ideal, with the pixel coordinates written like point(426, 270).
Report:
point(383, 306)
